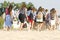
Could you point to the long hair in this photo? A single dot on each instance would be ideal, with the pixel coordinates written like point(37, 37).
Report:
point(39, 9)
point(30, 8)
point(23, 5)
point(10, 8)
point(52, 12)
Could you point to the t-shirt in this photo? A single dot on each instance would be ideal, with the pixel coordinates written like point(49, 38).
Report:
point(34, 15)
point(6, 11)
point(23, 11)
point(28, 12)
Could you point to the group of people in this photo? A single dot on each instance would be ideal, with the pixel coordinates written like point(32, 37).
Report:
point(35, 18)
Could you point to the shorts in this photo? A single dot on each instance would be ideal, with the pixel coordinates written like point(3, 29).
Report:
point(39, 20)
point(52, 22)
point(30, 20)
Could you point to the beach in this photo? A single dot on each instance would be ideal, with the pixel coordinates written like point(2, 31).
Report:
point(30, 35)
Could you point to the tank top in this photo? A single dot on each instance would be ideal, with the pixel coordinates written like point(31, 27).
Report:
point(6, 11)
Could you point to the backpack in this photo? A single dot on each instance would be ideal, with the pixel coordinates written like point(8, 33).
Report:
point(31, 15)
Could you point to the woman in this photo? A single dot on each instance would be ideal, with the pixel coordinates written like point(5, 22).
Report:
point(8, 21)
point(22, 15)
point(39, 18)
point(31, 16)
point(53, 18)
point(34, 16)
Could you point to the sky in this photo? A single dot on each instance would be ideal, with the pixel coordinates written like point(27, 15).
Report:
point(44, 3)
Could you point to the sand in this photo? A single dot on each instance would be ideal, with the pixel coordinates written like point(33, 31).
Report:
point(30, 35)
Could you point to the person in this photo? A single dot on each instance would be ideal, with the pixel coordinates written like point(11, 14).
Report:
point(47, 19)
point(39, 18)
point(34, 16)
point(30, 17)
point(8, 22)
point(22, 15)
point(53, 18)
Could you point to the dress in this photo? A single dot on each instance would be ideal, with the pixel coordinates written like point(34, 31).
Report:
point(8, 21)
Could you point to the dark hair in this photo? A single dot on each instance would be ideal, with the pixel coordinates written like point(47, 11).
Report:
point(40, 9)
point(53, 10)
point(46, 10)
point(30, 8)
point(10, 8)
point(23, 5)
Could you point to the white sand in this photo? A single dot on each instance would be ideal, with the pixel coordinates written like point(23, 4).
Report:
point(30, 35)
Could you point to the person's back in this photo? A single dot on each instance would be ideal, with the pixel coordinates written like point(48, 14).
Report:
point(39, 17)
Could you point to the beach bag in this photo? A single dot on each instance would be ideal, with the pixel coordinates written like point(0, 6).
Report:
point(25, 24)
